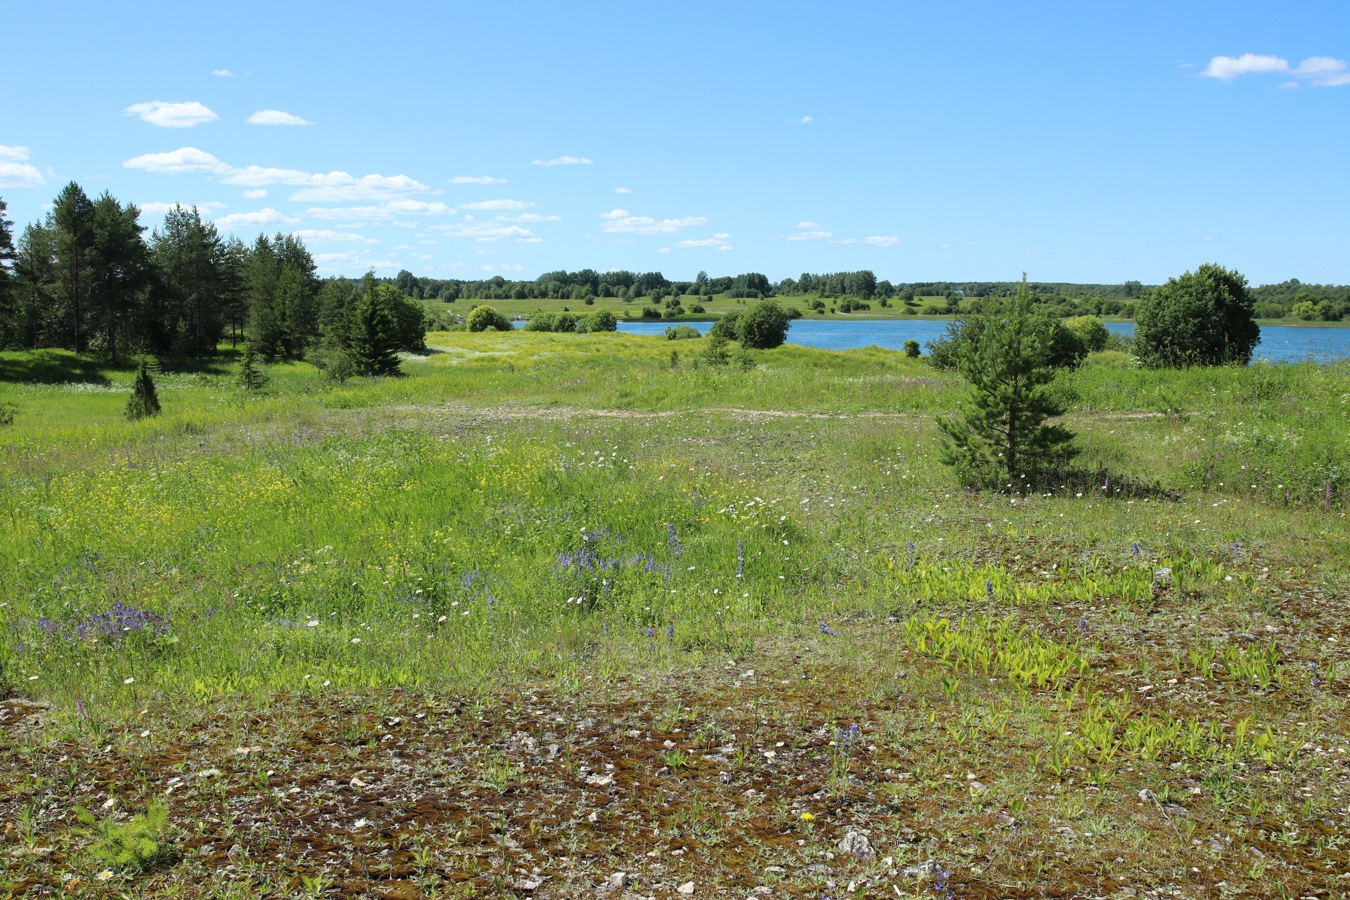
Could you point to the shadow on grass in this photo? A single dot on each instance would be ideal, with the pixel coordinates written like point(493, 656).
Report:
point(53, 367)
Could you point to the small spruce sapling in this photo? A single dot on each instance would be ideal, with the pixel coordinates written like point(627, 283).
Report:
point(144, 400)
point(251, 376)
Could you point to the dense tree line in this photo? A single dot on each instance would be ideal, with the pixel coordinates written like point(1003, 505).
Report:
point(87, 278)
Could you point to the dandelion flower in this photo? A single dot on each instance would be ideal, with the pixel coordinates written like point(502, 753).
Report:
point(807, 817)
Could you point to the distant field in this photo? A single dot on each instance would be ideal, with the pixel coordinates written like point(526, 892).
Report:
point(553, 607)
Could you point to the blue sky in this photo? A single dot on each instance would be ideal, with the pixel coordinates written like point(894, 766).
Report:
point(963, 141)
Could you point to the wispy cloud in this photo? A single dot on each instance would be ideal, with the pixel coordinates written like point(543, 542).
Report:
point(476, 179)
point(350, 261)
point(620, 221)
point(155, 209)
point(1319, 71)
point(716, 242)
point(276, 117)
point(528, 217)
point(267, 216)
point(341, 237)
point(171, 115)
point(487, 232)
point(881, 240)
point(506, 205)
point(815, 225)
point(315, 187)
point(339, 187)
point(564, 161)
point(255, 193)
point(622, 190)
point(813, 235)
point(222, 73)
point(16, 171)
point(184, 159)
point(1323, 71)
point(382, 211)
point(804, 120)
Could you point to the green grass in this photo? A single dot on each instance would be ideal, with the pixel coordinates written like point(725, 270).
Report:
point(570, 518)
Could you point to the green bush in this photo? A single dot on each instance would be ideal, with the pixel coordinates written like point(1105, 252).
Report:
point(727, 327)
point(912, 348)
point(485, 318)
point(763, 326)
point(7, 411)
point(1200, 319)
point(681, 332)
point(1090, 330)
point(600, 320)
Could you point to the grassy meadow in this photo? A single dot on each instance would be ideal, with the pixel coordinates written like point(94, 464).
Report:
point(553, 607)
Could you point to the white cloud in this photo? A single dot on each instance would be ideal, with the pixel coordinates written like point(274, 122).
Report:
point(382, 211)
point(275, 117)
point(886, 240)
point(255, 193)
point(15, 171)
point(267, 216)
point(171, 115)
point(622, 190)
point(663, 250)
point(487, 231)
point(564, 161)
point(350, 262)
point(1226, 68)
point(505, 205)
point(804, 120)
point(620, 221)
point(184, 159)
point(476, 179)
point(1319, 71)
point(512, 267)
point(815, 225)
point(529, 217)
point(716, 242)
point(1323, 71)
point(809, 235)
point(339, 187)
point(341, 237)
point(222, 73)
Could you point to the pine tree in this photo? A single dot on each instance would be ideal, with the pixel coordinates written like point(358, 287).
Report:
point(144, 401)
point(1003, 438)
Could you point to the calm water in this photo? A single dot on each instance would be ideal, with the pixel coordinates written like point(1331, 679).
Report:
point(1279, 343)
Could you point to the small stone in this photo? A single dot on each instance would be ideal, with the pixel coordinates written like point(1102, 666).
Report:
point(926, 869)
point(686, 888)
point(619, 880)
point(593, 817)
point(1177, 810)
point(1066, 831)
point(529, 884)
point(1147, 796)
point(856, 844)
point(774, 870)
point(600, 780)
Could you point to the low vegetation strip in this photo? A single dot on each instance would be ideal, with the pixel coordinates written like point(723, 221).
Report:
point(550, 611)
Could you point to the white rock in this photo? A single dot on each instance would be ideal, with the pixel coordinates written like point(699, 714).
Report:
point(856, 844)
point(686, 888)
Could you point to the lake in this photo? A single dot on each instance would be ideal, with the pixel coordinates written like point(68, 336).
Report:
point(1279, 343)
